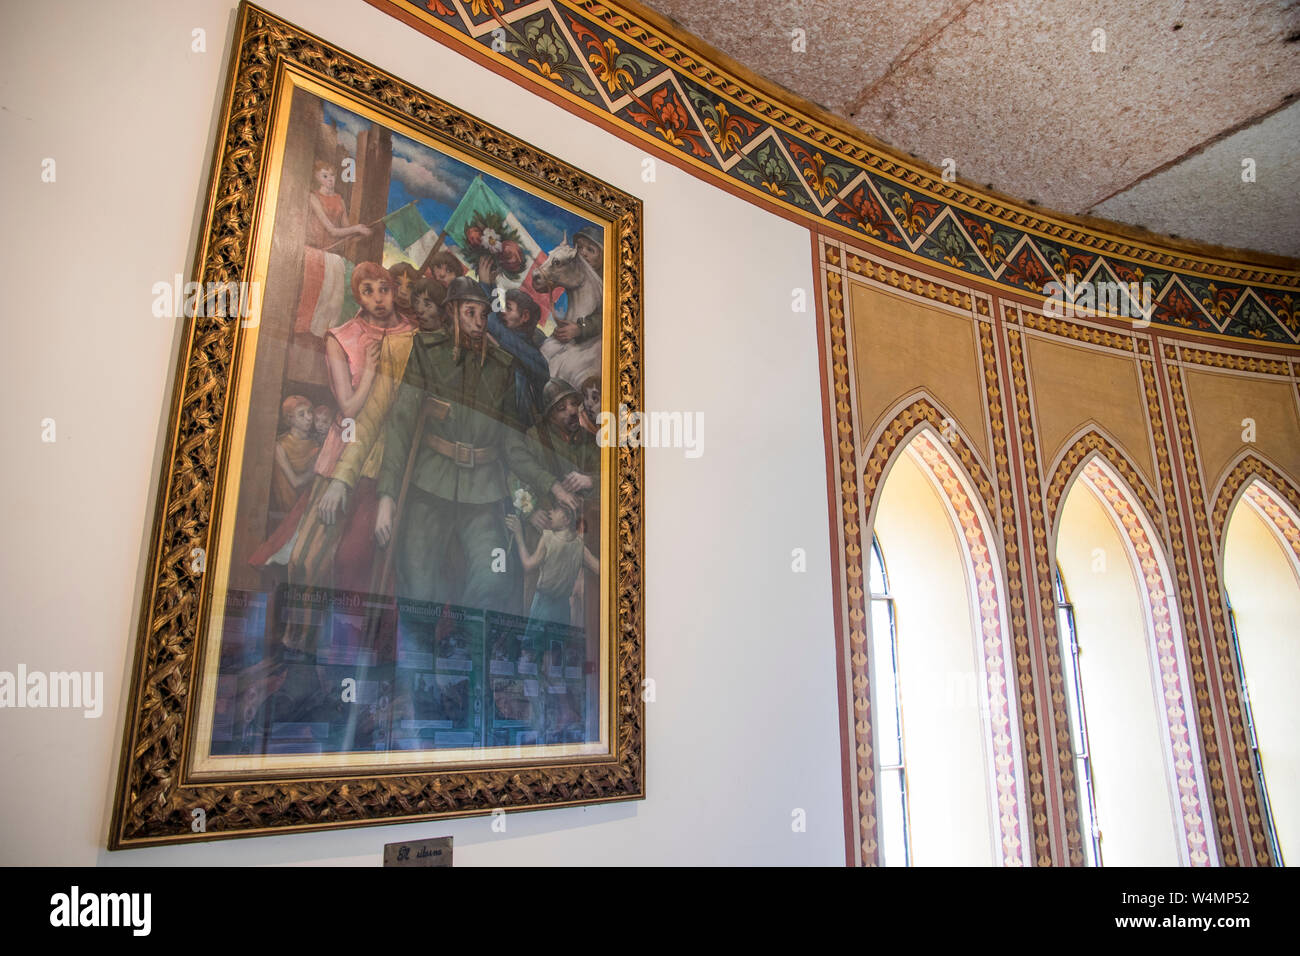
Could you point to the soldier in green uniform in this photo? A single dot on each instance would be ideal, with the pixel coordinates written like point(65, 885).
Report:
point(565, 455)
point(455, 428)
point(560, 450)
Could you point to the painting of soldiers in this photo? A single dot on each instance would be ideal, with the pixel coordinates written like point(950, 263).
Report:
point(420, 466)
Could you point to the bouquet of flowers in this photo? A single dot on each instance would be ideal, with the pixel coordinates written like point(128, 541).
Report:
point(523, 502)
point(523, 506)
point(488, 234)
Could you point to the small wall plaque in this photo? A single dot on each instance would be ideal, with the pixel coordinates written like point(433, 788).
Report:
point(434, 852)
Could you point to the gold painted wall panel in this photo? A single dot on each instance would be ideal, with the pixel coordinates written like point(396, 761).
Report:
point(900, 346)
point(1219, 402)
point(1074, 385)
point(1046, 381)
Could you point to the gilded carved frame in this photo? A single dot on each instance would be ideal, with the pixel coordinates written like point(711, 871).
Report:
point(156, 795)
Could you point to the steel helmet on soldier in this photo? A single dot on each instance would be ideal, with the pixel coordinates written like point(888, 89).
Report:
point(556, 391)
point(466, 289)
point(591, 234)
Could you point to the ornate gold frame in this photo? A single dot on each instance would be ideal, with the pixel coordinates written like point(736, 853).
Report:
point(156, 795)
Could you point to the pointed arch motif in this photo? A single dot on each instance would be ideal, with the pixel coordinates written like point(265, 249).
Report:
point(915, 411)
point(1194, 820)
point(1276, 499)
point(1132, 505)
point(1268, 488)
point(1278, 515)
point(958, 475)
point(1005, 757)
point(1094, 443)
point(1091, 442)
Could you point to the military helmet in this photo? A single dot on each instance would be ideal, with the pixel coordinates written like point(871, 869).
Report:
point(556, 391)
point(591, 234)
point(466, 289)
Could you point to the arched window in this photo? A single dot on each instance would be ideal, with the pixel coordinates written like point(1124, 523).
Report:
point(949, 779)
point(1256, 758)
point(1261, 579)
point(1137, 764)
point(1078, 722)
point(888, 713)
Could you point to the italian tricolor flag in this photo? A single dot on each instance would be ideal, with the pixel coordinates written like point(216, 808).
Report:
point(482, 224)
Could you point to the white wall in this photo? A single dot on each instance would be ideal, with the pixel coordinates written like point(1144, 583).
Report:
point(745, 728)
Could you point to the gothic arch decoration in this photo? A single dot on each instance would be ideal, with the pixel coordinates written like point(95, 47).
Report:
point(920, 426)
point(1278, 515)
point(1182, 752)
point(1242, 835)
point(1005, 762)
point(1091, 443)
point(1267, 488)
point(1131, 504)
point(1278, 500)
point(918, 403)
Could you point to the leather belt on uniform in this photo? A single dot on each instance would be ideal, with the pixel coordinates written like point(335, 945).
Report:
point(465, 456)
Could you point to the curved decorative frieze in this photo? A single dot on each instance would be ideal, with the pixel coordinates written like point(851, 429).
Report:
point(654, 84)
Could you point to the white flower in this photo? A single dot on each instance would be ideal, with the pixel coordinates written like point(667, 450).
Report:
point(523, 501)
point(491, 241)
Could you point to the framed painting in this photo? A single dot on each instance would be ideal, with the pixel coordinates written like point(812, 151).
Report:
point(395, 570)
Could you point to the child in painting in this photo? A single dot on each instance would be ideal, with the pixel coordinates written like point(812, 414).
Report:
point(322, 417)
point(427, 297)
point(352, 352)
point(352, 357)
point(404, 279)
point(561, 555)
point(590, 414)
point(295, 453)
point(327, 222)
point(445, 266)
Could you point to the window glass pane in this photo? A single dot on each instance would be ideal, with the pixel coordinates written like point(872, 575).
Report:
point(1065, 636)
point(1088, 820)
point(1068, 641)
point(1265, 803)
point(877, 572)
point(885, 711)
point(893, 831)
point(891, 816)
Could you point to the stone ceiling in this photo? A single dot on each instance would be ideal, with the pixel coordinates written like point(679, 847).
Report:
point(1141, 113)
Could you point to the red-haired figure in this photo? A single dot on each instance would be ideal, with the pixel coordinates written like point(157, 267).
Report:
point(295, 453)
point(328, 222)
point(340, 557)
point(352, 357)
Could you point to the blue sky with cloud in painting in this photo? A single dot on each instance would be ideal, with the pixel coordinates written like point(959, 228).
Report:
point(436, 182)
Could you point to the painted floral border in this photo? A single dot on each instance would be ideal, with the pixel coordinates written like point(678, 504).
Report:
point(611, 59)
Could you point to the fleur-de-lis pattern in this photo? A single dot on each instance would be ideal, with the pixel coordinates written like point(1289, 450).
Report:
point(746, 138)
point(541, 44)
point(864, 211)
point(670, 119)
point(824, 178)
point(725, 129)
